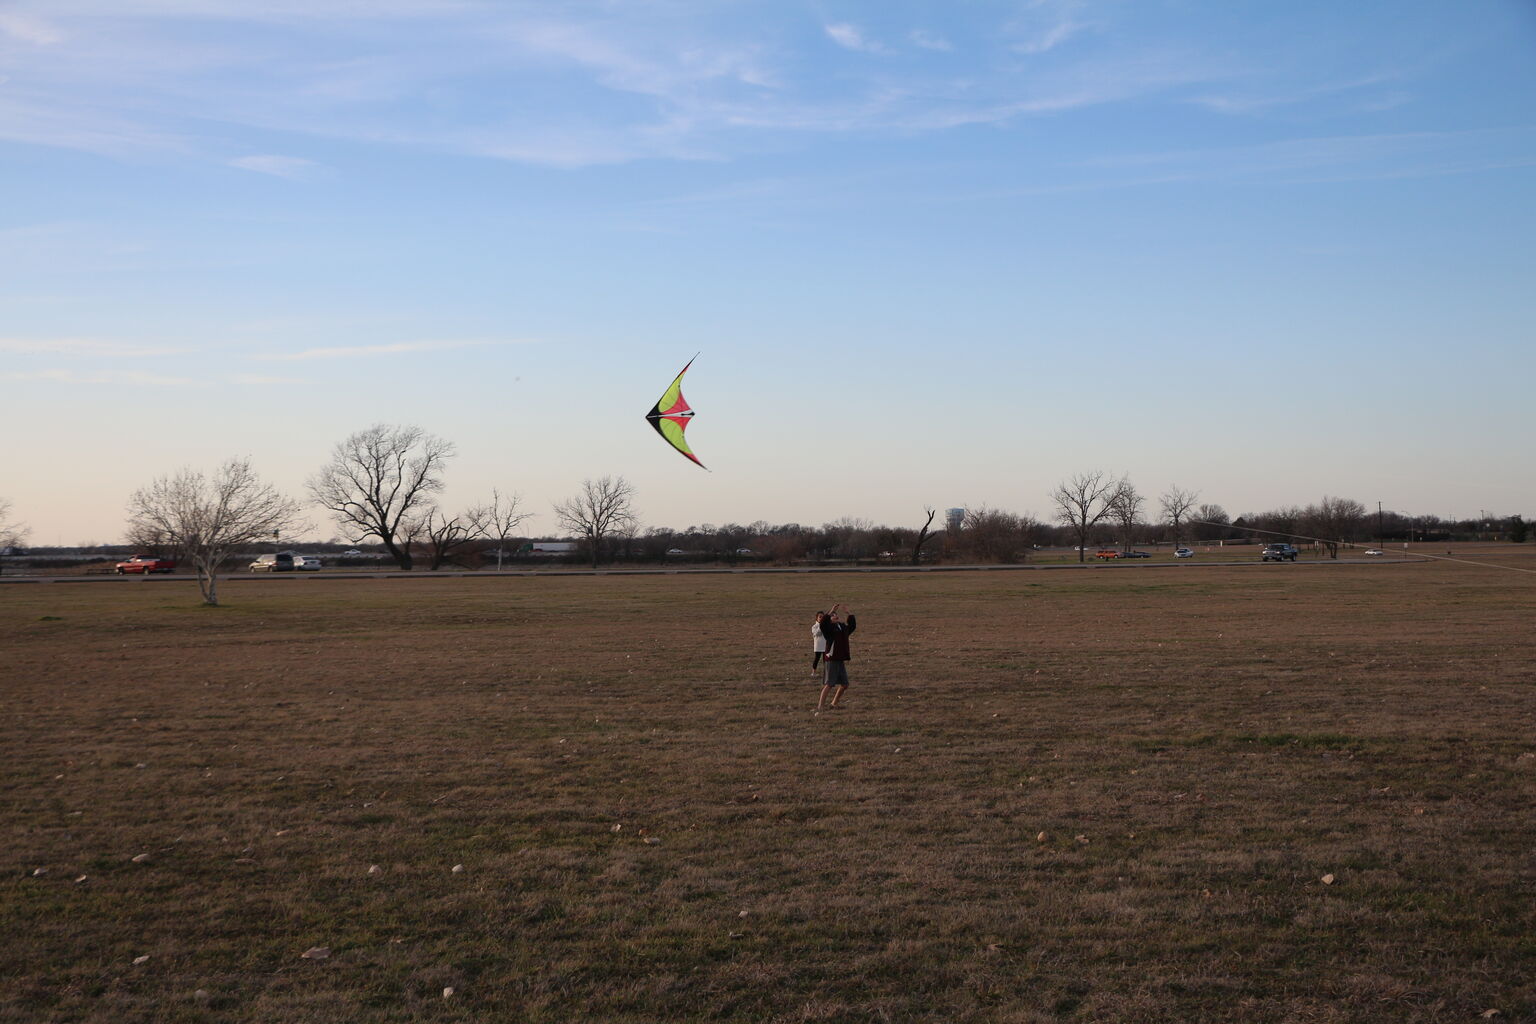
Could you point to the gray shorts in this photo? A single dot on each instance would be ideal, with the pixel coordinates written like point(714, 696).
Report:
point(837, 674)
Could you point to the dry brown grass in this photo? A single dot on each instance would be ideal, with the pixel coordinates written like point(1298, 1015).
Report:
point(1197, 748)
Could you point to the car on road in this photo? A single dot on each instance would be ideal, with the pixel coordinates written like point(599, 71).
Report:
point(1183, 553)
point(1107, 554)
point(1135, 554)
point(1374, 551)
point(144, 565)
point(282, 561)
point(307, 563)
point(1279, 552)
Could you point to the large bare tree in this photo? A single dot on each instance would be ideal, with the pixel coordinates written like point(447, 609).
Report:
point(380, 482)
point(1176, 503)
point(1082, 503)
point(501, 517)
point(1125, 508)
point(601, 508)
point(1211, 522)
point(208, 517)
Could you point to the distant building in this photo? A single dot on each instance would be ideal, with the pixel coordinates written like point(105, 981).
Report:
point(954, 518)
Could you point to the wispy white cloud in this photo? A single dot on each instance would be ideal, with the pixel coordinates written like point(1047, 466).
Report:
point(390, 349)
point(27, 29)
point(616, 82)
point(929, 40)
point(262, 378)
point(851, 37)
point(1049, 38)
point(99, 377)
point(1252, 101)
point(291, 167)
point(95, 348)
point(1340, 158)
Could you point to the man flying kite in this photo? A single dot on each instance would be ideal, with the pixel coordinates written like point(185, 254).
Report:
point(671, 415)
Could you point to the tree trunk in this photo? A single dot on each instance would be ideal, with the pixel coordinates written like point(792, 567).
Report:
point(207, 582)
point(402, 556)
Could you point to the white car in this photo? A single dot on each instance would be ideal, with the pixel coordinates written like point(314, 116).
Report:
point(1374, 551)
point(306, 562)
point(1183, 553)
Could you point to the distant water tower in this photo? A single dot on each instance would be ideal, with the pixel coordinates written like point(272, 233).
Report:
point(953, 518)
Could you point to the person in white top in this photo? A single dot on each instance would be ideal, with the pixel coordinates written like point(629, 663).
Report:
point(818, 642)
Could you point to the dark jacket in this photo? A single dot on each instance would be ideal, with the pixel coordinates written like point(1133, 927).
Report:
point(837, 638)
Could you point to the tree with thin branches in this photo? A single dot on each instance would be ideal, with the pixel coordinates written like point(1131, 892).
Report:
point(600, 509)
point(445, 537)
point(12, 532)
point(1176, 503)
point(1082, 502)
point(1125, 508)
point(502, 517)
point(208, 518)
point(380, 483)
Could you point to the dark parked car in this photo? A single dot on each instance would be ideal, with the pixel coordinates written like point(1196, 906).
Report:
point(1135, 554)
point(1279, 552)
point(280, 562)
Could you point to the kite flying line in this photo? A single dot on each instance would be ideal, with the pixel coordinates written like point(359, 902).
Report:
point(1424, 555)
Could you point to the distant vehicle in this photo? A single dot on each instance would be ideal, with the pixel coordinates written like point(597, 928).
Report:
point(1279, 552)
point(144, 565)
point(1135, 554)
point(1183, 553)
point(1374, 551)
point(1107, 554)
point(280, 562)
point(354, 551)
point(308, 563)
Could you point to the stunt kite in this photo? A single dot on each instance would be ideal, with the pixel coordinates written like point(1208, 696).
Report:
point(671, 415)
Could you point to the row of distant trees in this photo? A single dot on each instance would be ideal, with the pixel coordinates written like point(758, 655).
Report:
point(381, 485)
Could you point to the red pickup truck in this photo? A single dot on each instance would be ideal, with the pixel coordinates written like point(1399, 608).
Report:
point(145, 564)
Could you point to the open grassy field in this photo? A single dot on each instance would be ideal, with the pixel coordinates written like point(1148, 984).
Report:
point(1280, 793)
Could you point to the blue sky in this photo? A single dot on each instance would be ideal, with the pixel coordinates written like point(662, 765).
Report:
point(930, 253)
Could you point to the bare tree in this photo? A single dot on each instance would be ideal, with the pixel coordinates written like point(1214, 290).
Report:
point(379, 483)
point(207, 518)
point(924, 535)
point(601, 508)
point(1211, 522)
point(12, 533)
point(1333, 520)
point(1125, 507)
point(1082, 503)
point(1176, 504)
point(993, 535)
point(501, 517)
point(445, 537)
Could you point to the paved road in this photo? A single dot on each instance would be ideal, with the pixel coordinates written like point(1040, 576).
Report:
point(426, 574)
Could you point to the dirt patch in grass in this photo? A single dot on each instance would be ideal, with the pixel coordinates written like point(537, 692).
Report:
point(1227, 795)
